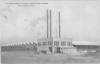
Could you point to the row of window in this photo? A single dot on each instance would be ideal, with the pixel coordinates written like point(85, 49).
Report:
point(55, 43)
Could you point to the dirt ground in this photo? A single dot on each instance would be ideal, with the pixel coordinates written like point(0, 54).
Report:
point(28, 57)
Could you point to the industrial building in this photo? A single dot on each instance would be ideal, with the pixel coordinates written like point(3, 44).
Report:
point(52, 45)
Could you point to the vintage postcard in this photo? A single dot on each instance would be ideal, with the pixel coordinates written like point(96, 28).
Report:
point(50, 31)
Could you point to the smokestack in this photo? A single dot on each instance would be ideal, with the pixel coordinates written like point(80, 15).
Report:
point(59, 26)
point(49, 24)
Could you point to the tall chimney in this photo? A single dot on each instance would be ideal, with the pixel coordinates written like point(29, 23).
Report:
point(59, 24)
point(49, 24)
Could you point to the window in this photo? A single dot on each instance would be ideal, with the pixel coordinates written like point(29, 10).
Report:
point(63, 43)
point(44, 43)
point(50, 43)
point(69, 43)
point(56, 43)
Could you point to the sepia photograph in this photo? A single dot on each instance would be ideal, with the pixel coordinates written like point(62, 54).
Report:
point(50, 31)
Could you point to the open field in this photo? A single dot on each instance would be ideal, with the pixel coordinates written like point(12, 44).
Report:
point(23, 55)
point(28, 57)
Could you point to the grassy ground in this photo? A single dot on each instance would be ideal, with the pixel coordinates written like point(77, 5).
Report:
point(28, 57)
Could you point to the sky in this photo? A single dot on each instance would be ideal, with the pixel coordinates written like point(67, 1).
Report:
point(79, 21)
